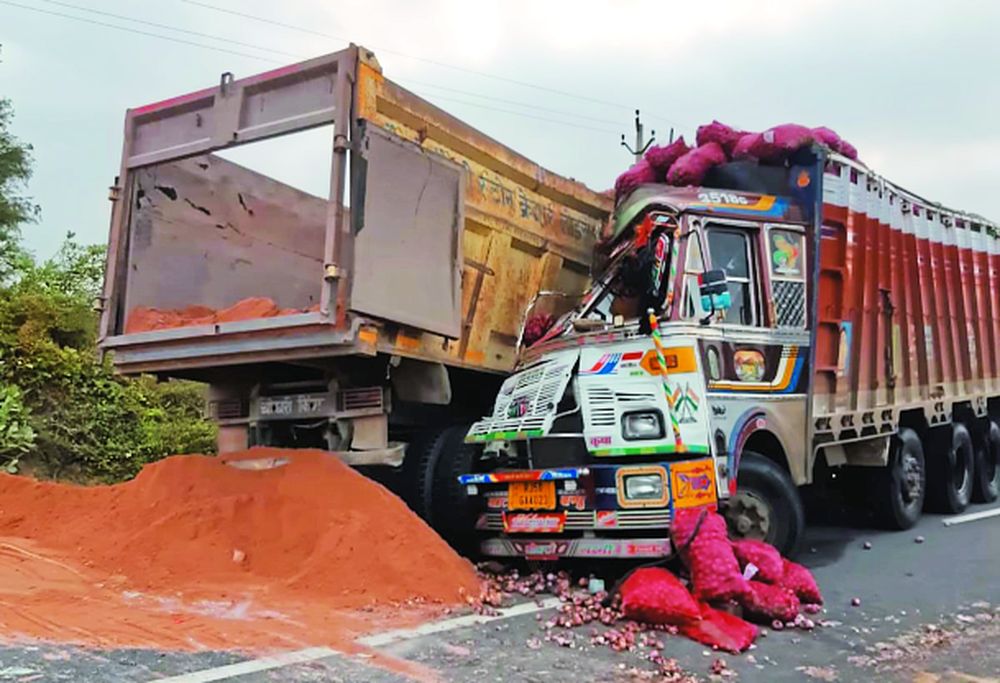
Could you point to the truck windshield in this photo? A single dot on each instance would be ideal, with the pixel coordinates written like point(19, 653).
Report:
point(634, 281)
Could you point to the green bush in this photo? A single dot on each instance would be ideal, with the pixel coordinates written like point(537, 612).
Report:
point(63, 412)
point(16, 435)
point(89, 423)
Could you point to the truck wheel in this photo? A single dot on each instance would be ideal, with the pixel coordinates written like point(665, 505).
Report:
point(949, 481)
point(452, 508)
point(986, 483)
point(897, 490)
point(422, 455)
point(767, 505)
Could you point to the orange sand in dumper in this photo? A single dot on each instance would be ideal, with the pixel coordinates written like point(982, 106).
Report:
point(194, 553)
point(143, 319)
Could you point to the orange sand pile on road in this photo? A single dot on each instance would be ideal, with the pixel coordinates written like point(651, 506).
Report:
point(197, 553)
point(143, 319)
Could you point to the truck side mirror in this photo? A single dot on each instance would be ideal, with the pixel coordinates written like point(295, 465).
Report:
point(714, 290)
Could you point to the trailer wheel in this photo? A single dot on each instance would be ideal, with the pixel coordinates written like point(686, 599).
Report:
point(451, 507)
point(986, 483)
point(897, 490)
point(949, 481)
point(767, 505)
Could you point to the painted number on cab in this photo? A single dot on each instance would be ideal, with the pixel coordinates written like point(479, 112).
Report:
point(721, 198)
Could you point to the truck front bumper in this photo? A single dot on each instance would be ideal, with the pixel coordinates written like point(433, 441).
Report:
point(585, 512)
point(558, 548)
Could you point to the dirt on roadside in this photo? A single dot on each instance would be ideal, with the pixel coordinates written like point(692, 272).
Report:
point(260, 550)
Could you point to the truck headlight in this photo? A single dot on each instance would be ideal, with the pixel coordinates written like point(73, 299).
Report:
point(644, 487)
point(641, 425)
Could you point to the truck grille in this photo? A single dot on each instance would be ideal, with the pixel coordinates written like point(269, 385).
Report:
point(530, 404)
point(367, 398)
point(229, 409)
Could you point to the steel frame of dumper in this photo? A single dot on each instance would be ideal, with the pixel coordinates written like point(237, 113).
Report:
point(519, 206)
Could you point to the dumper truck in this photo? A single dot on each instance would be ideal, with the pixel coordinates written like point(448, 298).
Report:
point(372, 318)
point(811, 320)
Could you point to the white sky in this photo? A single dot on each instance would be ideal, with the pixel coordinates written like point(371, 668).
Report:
point(914, 85)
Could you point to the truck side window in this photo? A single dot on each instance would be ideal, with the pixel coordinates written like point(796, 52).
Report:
point(694, 265)
point(731, 250)
point(788, 287)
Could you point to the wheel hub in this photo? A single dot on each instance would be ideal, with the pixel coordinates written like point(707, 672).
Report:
point(749, 515)
point(911, 477)
point(960, 471)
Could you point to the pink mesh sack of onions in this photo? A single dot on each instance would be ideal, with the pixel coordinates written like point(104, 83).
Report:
point(800, 581)
point(764, 556)
point(691, 168)
point(770, 602)
point(705, 548)
point(655, 596)
point(662, 157)
point(638, 174)
point(724, 135)
point(774, 143)
point(831, 139)
point(720, 630)
point(536, 327)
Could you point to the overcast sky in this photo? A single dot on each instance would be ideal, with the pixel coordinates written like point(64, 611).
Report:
point(914, 85)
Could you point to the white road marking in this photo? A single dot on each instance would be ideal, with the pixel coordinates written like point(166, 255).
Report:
point(228, 671)
point(222, 673)
point(971, 517)
point(382, 639)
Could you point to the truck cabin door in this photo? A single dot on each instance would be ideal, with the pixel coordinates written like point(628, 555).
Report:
point(733, 248)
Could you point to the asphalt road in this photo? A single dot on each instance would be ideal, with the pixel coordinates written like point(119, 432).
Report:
point(929, 612)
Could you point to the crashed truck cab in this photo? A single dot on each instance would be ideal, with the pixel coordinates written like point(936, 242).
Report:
point(604, 433)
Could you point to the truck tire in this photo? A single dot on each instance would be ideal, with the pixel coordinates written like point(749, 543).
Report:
point(986, 482)
point(767, 505)
point(949, 477)
point(452, 508)
point(422, 454)
point(897, 491)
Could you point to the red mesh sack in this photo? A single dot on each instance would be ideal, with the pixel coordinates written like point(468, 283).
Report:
point(826, 136)
point(639, 173)
point(536, 327)
point(718, 132)
point(662, 157)
point(788, 137)
point(715, 573)
point(800, 581)
point(831, 139)
point(742, 148)
point(721, 630)
point(764, 556)
point(655, 596)
point(691, 168)
point(770, 602)
point(847, 149)
point(774, 143)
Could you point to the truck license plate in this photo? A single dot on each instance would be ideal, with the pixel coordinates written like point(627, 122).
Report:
point(276, 407)
point(532, 495)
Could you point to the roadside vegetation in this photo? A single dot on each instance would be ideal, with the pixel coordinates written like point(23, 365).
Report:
point(63, 412)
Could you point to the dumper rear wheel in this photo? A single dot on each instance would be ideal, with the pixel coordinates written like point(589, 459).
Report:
point(422, 454)
point(451, 506)
point(897, 490)
point(986, 482)
point(949, 472)
point(767, 505)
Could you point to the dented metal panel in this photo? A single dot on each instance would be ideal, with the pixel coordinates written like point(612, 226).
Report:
point(408, 245)
point(208, 232)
